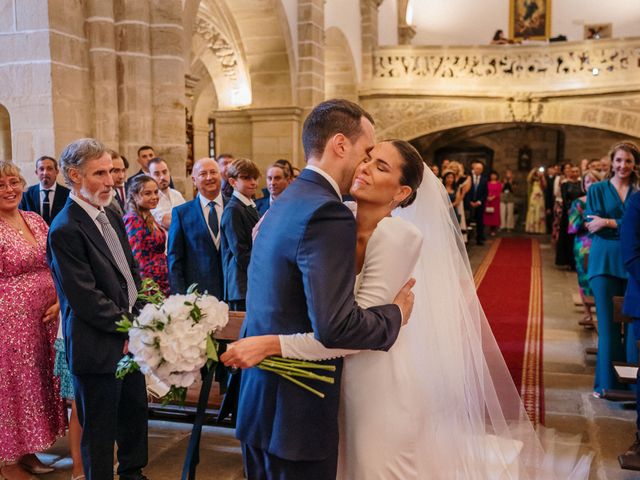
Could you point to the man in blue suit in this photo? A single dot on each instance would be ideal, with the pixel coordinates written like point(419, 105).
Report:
point(193, 253)
point(630, 248)
point(476, 199)
point(97, 283)
point(277, 180)
point(47, 197)
point(301, 279)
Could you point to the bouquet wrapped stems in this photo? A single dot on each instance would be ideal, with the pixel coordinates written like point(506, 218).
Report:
point(289, 369)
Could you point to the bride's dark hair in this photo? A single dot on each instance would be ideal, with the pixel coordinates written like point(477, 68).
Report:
point(412, 168)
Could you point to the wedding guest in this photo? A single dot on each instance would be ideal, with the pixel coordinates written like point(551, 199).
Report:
point(455, 193)
point(605, 166)
point(549, 199)
point(557, 205)
point(277, 180)
point(47, 197)
point(570, 190)
point(119, 177)
point(286, 166)
point(463, 183)
point(445, 164)
point(296, 173)
point(436, 170)
point(169, 197)
point(535, 220)
point(584, 166)
point(224, 160)
point(630, 248)
point(32, 414)
point(476, 198)
point(606, 205)
point(595, 167)
point(492, 208)
point(97, 282)
point(238, 220)
point(146, 236)
point(194, 236)
point(582, 240)
point(507, 202)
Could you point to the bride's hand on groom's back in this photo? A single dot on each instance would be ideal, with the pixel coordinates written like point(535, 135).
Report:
point(250, 351)
point(404, 299)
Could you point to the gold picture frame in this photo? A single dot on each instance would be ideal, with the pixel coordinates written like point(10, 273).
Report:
point(529, 19)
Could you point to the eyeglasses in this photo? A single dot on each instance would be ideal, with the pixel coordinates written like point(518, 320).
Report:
point(14, 184)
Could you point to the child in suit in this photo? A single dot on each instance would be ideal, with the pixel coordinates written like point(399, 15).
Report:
point(238, 219)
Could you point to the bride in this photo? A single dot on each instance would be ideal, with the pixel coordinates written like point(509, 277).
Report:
point(440, 404)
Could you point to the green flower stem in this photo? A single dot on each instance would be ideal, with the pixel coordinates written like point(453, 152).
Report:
point(302, 363)
point(293, 380)
point(299, 372)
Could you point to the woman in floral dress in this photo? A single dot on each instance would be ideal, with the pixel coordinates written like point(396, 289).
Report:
point(32, 414)
point(535, 221)
point(146, 237)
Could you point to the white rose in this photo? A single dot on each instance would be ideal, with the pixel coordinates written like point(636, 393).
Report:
point(175, 306)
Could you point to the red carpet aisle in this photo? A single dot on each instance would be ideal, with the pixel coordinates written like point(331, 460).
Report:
point(509, 283)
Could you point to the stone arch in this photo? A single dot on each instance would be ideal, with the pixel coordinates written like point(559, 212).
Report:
point(6, 151)
point(410, 119)
point(340, 76)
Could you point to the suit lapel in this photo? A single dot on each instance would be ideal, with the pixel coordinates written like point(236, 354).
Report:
point(35, 199)
point(59, 199)
point(314, 177)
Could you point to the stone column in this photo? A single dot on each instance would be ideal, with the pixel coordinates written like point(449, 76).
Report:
point(233, 133)
point(133, 67)
point(102, 71)
point(275, 134)
point(168, 87)
point(310, 53)
point(369, 33)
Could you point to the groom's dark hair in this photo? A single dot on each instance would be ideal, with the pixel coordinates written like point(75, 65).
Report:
point(328, 119)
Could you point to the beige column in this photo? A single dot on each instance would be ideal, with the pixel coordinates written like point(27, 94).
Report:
point(168, 87)
point(233, 133)
point(369, 35)
point(133, 66)
point(310, 53)
point(275, 134)
point(102, 71)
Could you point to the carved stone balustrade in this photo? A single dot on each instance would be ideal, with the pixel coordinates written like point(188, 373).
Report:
point(541, 70)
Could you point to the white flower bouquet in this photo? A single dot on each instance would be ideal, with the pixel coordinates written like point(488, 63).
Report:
point(172, 338)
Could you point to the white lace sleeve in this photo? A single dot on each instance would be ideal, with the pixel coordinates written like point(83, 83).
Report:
point(391, 255)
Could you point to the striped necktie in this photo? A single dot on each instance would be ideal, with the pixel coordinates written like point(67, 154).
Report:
point(46, 207)
point(115, 247)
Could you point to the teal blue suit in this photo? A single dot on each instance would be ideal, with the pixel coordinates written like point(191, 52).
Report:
point(608, 278)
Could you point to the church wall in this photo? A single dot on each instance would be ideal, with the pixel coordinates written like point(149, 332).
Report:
point(461, 22)
point(345, 15)
point(388, 22)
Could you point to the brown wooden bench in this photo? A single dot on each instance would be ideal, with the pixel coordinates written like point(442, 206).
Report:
point(625, 372)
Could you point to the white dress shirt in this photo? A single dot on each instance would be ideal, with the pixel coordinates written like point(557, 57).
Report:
point(204, 204)
point(328, 177)
point(52, 194)
point(92, 211)
point(247, 201)
point(167, 203)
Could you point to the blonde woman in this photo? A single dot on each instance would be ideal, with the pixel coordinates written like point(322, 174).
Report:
point(463, 184)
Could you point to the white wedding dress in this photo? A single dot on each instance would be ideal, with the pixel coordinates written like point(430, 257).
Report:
point(440, 404)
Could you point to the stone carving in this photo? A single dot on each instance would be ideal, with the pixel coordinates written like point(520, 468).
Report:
point(505, 63)
point(220, 46)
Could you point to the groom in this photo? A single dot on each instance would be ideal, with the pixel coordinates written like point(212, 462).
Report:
point(301, 279)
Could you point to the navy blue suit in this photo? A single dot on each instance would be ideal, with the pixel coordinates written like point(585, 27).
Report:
point(263, 204)
point(93, 297)
point(236, 226)
point(301, 279)
point(192, 255)
point(478, 193)
point(630, 248)
point(31, 200)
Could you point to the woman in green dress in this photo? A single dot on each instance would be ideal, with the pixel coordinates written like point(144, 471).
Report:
point(606, 203)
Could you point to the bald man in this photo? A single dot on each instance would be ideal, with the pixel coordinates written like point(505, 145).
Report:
point(194, 235)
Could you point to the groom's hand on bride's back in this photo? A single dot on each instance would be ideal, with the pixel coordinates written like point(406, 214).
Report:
point(404, 300)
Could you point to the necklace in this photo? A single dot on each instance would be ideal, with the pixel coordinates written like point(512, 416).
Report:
point(13, 225)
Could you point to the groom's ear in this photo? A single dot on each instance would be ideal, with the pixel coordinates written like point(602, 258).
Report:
point(338, 144)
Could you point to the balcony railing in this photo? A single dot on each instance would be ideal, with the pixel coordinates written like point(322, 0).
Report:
point(599, 66)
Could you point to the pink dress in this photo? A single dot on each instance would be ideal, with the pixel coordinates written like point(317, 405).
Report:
point(32, 414)
point(492, 207)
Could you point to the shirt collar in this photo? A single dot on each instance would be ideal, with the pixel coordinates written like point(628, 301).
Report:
point(92, 211)
point(327, 177)
point(52, 189)
point(247, 201)
point(205, 203)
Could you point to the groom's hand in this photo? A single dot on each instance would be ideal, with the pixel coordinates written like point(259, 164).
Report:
point(404, 299)
point(250, 351)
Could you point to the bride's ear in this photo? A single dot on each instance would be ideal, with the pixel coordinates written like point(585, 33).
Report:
point(402, 194)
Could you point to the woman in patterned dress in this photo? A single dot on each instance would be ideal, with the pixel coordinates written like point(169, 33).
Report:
point(32, 414)
point(535, 221)
point(146, 237)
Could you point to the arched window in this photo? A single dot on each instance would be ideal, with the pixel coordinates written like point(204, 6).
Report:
point(5, 134)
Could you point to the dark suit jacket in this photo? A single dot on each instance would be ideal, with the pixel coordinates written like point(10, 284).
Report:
point(31, 200)
point(263, 204)
point(236, 226)
point(92, 291)
point(630, 248)
point(301, 279)
point(192, 255)
point(477, 193)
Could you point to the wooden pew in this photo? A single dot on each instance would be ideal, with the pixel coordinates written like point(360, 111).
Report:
point(186, 412)
point(625, 372)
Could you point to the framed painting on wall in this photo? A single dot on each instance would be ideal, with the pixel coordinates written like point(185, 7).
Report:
point(529, 19)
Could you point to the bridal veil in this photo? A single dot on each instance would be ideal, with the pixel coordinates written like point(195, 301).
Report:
point(473, 424)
